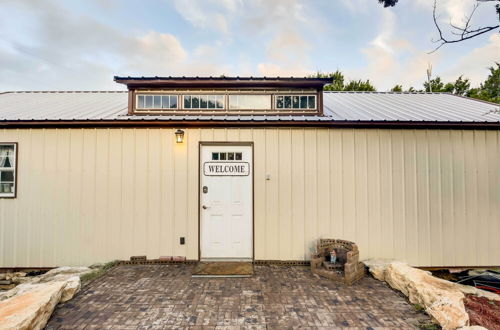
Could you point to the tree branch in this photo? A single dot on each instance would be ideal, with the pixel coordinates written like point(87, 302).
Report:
point(465, 32)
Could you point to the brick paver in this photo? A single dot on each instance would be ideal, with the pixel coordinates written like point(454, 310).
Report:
point(166, 296)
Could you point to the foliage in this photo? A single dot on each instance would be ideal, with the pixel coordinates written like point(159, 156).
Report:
point(338, 82)
point(461, 86)
point(489, 90)
point(388, 3)
point(418, 308)
point(85, 278)
point(434, 85)
point(397, 88)
point(428, 326)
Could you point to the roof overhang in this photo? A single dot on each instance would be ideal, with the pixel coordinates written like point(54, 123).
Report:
point(222, 82)
point(250, 123)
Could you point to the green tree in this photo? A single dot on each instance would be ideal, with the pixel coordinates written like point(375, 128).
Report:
point(461, 86)
point(397, 88)
point(338, 82)
point(360, 85)
point(434, 85)
point(490, 89)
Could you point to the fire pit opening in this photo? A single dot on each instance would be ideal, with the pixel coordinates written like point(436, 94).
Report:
point(337, 260)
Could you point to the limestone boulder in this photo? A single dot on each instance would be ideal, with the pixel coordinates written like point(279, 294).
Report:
point(63, 273)
point(378, 267)
point(440, 298)
point(71, 288)
point(30, 309)
point(29, 305)
point(443, 300)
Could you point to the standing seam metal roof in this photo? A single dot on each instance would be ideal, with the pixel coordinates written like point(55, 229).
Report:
point(338, 106)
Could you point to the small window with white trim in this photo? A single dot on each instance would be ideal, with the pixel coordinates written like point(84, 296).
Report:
point(8, 155)
point(291, 102)
point(156, 101)
point(213, 101)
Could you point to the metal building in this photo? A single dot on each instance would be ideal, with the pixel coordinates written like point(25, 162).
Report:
point(246, 168)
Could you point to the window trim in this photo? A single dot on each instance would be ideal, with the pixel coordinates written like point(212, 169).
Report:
point(15, 144)
point(137, 108)
point(224, 101)
point(291, 102)
point(271, 103)
point(181, 109)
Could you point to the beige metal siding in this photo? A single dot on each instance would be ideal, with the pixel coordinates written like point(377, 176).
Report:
point(430, 197)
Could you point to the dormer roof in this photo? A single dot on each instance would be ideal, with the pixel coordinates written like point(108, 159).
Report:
point(223, 82)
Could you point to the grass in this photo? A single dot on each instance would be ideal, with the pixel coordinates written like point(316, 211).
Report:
point(85, 278)
point(418, 308)
point(428, 326)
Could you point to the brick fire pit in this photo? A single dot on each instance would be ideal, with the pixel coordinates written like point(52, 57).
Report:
point(347, 269)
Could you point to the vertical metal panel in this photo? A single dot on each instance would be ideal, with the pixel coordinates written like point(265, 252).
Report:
point(260, 194)
point(272, 195)
point(429, 197)
point(311, 189)
point(284, 176)
point(298, 250)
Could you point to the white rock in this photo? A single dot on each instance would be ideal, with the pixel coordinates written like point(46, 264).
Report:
point(473, 327)
point(63, 272)
point(443, 300)
point(30, 309)
point(377, 267)
point(29, 305)
point(71, 288)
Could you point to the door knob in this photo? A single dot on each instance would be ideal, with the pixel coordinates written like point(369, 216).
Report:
point(205, 207)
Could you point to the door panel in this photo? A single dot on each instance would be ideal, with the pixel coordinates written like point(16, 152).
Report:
point(226, 206)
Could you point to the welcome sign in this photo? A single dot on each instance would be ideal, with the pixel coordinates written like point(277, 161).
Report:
point(226, 168)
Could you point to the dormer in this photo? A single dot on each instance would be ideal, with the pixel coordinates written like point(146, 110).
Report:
point(224, 95)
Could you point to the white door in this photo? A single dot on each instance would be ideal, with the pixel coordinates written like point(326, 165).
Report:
point(226, 202)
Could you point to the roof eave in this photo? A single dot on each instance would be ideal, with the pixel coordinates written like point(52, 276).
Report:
point(249, 123)
point(221, 82)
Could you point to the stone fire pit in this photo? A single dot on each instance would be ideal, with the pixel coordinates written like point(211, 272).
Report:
point(347, 269)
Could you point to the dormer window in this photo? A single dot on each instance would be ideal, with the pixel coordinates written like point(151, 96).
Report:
point(157, 101)
point(296, 102)
point(204, 101)
point(224, 95)
point(249, 102)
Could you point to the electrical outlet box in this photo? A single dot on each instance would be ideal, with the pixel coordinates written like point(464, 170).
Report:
point(183, 240)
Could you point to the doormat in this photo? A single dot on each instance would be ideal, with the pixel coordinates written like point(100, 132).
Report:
point(223, 269)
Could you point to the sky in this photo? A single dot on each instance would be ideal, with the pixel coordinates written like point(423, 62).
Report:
point(82, 44)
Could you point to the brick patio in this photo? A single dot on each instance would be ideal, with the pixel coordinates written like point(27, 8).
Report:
point(166, 296)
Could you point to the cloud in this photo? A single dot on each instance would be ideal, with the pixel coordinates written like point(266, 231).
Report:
point(58, 49)
point(392, 60)
point(276, 70)
point(208, 14)
point(457, 12)
point(475, 64)
point(289, 24)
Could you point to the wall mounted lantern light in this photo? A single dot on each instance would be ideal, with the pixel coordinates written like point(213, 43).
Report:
point(179, 136)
